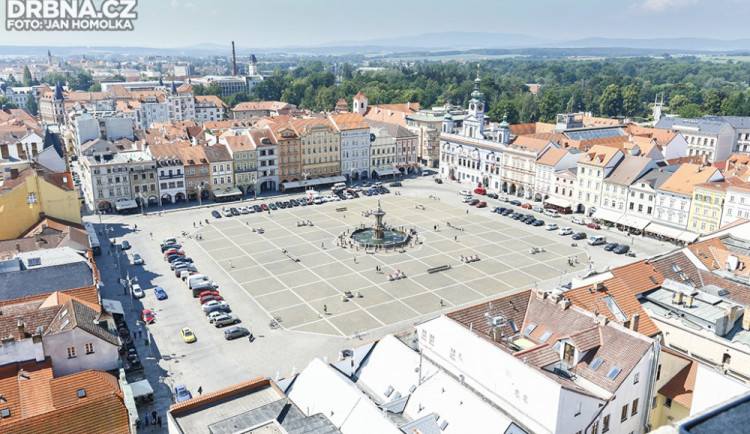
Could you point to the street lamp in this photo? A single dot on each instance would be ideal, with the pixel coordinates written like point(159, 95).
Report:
point(305, 175)
point(130, 281)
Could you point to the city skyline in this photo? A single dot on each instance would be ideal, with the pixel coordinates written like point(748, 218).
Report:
point(185, 23)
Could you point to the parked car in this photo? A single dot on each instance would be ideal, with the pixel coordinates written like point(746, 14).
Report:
point(578, 220)
point(530, 221)
point(125, 245)
point(438, 180)
point(516, 216)
point(465, 192)
point(181, 393)
point(167, 242)
point(137, 259)
point(593, 225)
point(263, 207)
point(137, 291)
point(211, 317)
point(223, 305)
point(596, 240)
point(227, 213)
point(208, 292)
point(173, 246)
point(244, 210)
point(537, 208)
point(467, 199)
point(235, 332)
point(579, 236)
point(622, 249)
point(190, 268)
point(225, 319)
point(234, 211)
point(473, 202)
point(551, 213)
point(565, 231)
point(294, 202)
point(216, 214)
point(273, 206)
point(538, 223)
point(515, 202)
point(611, 246)
point(526, 206)
point(187, 335)
point(160, 293)
point(507, 212)
point(480, 190)
point(395, 184)
point(492, 195)
point(147, 316)
point(551, 226)
point(503, 198)
point(257, 208)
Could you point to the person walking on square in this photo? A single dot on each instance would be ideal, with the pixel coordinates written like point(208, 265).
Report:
point(200, 390)
point(147, 419)
point(158, 421)
point(325, 309)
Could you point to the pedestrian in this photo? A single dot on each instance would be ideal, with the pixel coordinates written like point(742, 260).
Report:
point(193, 224)
point(200, 390)
point(455, 238)
point(269, 212)
point(153, 416)
point(147, 419)
point(467, 211)
point(135, 334)
point(158, 421)
point(442, 303)
point(151, 234)
point(325, 309)
point(322, 245)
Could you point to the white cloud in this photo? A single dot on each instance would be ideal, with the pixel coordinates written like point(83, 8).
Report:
point(665, 5)
point(174, 3)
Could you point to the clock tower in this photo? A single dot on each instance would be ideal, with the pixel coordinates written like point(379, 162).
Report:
point(474, 122)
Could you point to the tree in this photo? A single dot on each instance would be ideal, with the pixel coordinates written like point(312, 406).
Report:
point(610, 103)
point(28, 80)
point(96, 87)
point(631, 104)
point(712, 102)
point(117, 77)
point(4, 102)
point(347, 73)
point(677, 102)
point(690, 111)
point(31, 105)
point(12, 80)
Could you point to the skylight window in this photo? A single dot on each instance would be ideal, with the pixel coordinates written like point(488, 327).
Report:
point(530, 328)
point(612, 374)
point(545, 337)
point(653, 280)
point(675, 268)
point(595, 364)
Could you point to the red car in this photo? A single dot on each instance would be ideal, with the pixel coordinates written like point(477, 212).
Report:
point(204, 293)
point(264, 207)
point(480, 191)
point(482, 205)
point(206, 298)
point(526, 206)
point(593, 225)
point(147, 316)
point(173, 252)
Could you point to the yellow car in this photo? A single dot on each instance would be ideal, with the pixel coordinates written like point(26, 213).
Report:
point(187, 335)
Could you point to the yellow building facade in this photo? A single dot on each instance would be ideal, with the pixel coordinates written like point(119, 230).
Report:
point(707, 205)
point(33, 193)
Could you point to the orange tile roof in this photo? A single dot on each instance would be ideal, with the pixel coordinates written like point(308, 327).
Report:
point(661, 135)
point(218, 395)
point(680, 388)
point(211, 98)
point(529, 144)
point(628, 282)
point(531, 128)
point(686, 176)
point(349, 121)
point(599, 155)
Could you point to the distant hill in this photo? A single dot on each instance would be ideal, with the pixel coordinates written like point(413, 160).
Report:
point(682, 44)
point(448, 40)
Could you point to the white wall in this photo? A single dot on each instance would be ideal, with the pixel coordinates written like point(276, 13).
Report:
point(20, 351)
point(712, 387)
point(56, 346)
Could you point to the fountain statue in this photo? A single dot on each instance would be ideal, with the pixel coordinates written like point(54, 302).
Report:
point(379, 235)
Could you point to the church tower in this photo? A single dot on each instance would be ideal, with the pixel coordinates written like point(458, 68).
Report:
point(474, 122)
point(360, 103)
point(504, 136)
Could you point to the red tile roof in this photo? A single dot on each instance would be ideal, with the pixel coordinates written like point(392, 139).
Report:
point(680, 388)
point(218, 395)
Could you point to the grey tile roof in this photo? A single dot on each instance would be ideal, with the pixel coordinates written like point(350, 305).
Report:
point(291, 419)
point(424, 425)
point(710, 125)
point(74, 314)
point(43, 280)
point(734, 121)
point(628, 170)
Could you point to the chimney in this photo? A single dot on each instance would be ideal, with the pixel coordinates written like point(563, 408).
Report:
point(677, 298)
point(541, 294)
point(234, 61)
point(601, 319)
point(21, 325)
point(564, 303)
point(690, 300)
point(746, 319)
point(635, 321)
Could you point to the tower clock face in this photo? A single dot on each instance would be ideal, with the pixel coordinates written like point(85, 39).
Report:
point(481, 107)
point(471, 106)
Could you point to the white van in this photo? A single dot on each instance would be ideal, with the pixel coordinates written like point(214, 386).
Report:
point(595, 240)
point(551, 213)
point(338, 186)
point(195, 279)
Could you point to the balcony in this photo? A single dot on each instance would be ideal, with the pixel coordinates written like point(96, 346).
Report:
point(172, 176)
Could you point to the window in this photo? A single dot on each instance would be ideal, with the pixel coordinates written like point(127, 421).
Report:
point(595, 364)
point(31, 198)
point(668, 402)
point(89, 348)
point(637, 378)
point(624, 414)
point(71, 352)
point(453, 354)
point(432, 339)
point(635, 407)
point(595, 427)
point(605, 424)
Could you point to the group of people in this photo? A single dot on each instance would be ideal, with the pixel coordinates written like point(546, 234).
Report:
point(151, 420)
point(572, 261)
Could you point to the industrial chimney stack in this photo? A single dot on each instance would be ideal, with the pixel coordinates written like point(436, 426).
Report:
point(234, 61)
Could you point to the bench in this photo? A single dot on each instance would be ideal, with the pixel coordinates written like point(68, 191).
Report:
point(341, 209)
point(438, 269)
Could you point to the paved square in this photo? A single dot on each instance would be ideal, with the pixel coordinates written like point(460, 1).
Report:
point(299, 291)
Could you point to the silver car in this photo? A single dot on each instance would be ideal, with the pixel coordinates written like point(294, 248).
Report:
point(225, 319)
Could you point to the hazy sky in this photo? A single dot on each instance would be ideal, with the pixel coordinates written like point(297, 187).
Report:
point(275, 23)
